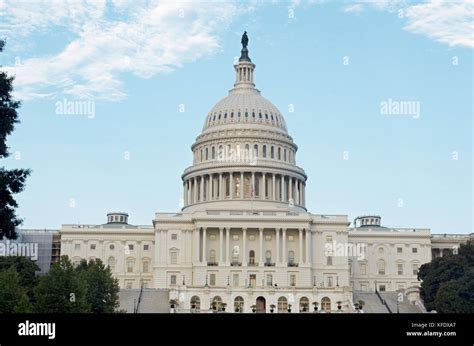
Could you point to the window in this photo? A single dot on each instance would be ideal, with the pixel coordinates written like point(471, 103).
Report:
point(268, 256)
point(253, 280)
point(235, 280)
point(213, 153)
point(293, 280)
point(216, 303)
point(195, 303)
point(272, 152)
point(291, 257)
point(284, 155)
point(77, 247)
point(269, 280)
point(129, 284)
point(326, 304)
point(130, 246)
point(330, 283)
point(251, 257)
point(174, 257)
point(255, 150)
point(279, 153)
point(239, 304)
point(382, 288)
point(111, 263)
point(93, 246)
point(174, 236)
point(146, 247)
point(264, 151)
point(399, 250)
point(129, 266)
point(381, 267)
point(145, 267)
point(414, 250)
point(415, 269)
point(363, 268)
point(212, 279)
point(282, 304)
point(329, 260)
point(304, 304)
point(212, 256)
point(173, 280)
point(400, 269)
point(111, 246)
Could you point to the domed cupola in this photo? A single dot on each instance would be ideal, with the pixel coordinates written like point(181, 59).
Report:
point(244, 157)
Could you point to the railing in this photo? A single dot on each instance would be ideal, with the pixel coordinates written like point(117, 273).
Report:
point(236, 264)
point(292, 264)
point(268, 264)
point(139, 299)
point(383, 301)
point(212, 264)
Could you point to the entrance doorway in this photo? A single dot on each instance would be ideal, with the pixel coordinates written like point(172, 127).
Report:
point(261, 305)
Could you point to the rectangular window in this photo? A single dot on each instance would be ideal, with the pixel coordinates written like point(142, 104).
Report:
point(253, 280)
point(414, 250)
point(212, 279)
point(292, 280)
point(330, 281)
point(129, 284)
point(400, 269)
point(77, 246)
point(174, 236)
point(399, 250)
point(235, 280)
point(382, 288)
point(415, 269)
point(174, 258)
point(173, 280)
point(363, 269)
point(329, 260)
point(130, 246)
point(269, 280)
point(129, 266)
point(93, 246)
point(145, 267)
point(146, 247)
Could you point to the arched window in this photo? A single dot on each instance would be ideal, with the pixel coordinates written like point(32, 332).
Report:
point(282, 304)
point(212, 256)
point(239, 304)
point(279, 154)
point(284, 155)
point(291, 257)
point(251, 257)
point(272, 152)
point(213, 153)
point(381, 267)
point(268, 257)
point(207, 154)
point(111, 263)
point(216, 304)
point(304, 304)
point(264, 151)
point(255, 150)
point(195, 303)
point(247, 148)
point(326, 304)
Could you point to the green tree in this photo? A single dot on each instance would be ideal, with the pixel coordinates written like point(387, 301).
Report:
point(11, 181)
point(26, 269)
point(448, 282)
point(13, 297)
point(101, 287)
point(61, 290)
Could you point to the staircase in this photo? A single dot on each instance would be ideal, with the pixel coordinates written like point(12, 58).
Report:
point(385, 302)
point(151, 300)
point(391, 299)
point(372, 302)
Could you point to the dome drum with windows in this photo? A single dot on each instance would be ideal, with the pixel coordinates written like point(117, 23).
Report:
point(244, 156)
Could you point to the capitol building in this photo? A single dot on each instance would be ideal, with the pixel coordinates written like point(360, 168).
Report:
point(244, 240)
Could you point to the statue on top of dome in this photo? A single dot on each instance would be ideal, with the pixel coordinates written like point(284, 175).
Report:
point(245, 40)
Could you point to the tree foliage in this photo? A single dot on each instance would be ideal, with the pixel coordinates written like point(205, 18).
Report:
point(448, 282)
point(13, 297)
point(11, 181)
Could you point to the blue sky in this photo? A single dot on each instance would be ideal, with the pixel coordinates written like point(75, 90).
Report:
point(335, 62)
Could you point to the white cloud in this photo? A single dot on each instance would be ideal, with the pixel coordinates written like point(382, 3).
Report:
point(355, 8)
point(449, 22)
point(145, 39)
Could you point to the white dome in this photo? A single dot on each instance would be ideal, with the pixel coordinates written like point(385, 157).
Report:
point(245, 106)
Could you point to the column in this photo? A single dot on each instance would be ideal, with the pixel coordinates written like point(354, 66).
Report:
point(273, 187)
point(195, 190)
point(253, 186)
point(221, 245)
point(284, 247)
point(260, 261)
point(204, 250)
point(290, 188)
point(277, 235)
point(196, 244)
point(282, 189)
point(201, 189)
point(264, 190)
point(221, 190)
point(157, 246)
point(244, 246)
point(300, 234)
point(231, 185)
point(242, 185)
point(304, 194)
point(185, 193)
point(227, 245)
point(298, 192)
point(308, 246)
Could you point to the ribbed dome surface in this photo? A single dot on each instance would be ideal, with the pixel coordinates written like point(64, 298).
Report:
point(245, 106)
